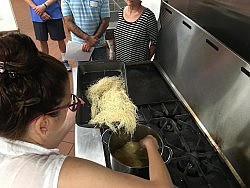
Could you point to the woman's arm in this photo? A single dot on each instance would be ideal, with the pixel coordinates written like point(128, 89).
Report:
point(77, 172)
point(152, 33)
point(152, 50)
point(158, 172)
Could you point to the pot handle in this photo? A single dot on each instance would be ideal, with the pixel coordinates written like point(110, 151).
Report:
point(170, 153)
point(103, 134)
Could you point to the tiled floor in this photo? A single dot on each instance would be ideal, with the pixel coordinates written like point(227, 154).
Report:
point(67, 145)
point(24, 23)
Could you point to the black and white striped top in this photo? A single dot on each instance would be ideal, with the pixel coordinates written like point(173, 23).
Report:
point(133, 38)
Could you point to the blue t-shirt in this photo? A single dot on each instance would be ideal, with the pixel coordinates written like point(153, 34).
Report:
point(53, 10)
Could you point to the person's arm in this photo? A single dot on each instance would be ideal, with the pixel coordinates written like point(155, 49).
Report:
point(40, 9)
point(158, 172)
point(91, 40)
point(152, 50)
point(77, 172)
point(99, 32)
point(45, 16)
point(69, 21)
point(104, 22)
point(152, 33)
point(30, 3)
point(72, 27)
point(105, 17)
point(102, 27)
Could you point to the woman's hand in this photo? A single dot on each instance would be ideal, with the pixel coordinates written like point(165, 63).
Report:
point(149, 140)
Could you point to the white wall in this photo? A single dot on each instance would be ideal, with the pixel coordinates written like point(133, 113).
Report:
point(153, 5)
point(7, 17)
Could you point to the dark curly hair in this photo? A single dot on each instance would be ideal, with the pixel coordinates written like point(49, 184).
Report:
point(31, 83)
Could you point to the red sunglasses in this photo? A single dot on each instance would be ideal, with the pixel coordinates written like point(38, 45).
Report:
point(72, 106)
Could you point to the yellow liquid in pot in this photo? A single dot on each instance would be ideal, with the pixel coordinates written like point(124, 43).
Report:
point(132, 155)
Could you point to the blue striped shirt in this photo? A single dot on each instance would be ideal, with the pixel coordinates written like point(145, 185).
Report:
point(87, 15)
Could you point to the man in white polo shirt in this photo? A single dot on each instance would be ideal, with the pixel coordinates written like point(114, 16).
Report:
point(87, 20)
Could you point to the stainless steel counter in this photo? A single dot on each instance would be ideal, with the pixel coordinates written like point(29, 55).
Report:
point(88, 141)
point(88, 144)
point(227, 20)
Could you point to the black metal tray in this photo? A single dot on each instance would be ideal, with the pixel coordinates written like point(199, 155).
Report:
point(146, 85)
point(87, 74)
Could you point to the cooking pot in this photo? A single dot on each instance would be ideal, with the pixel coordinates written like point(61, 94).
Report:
point(116, 141)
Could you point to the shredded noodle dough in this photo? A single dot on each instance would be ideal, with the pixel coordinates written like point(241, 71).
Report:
point(111, 105)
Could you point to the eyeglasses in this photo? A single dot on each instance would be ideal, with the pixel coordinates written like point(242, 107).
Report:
point(72, 106)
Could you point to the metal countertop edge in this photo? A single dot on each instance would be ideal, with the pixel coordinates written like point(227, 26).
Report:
point(88, 141)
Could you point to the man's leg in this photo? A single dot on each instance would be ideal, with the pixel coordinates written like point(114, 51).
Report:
point(62, 46)
point(56, 31)
point(44, 47)
point(41, 33)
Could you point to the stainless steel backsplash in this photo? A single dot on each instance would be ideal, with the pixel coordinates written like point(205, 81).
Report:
point(212, 81)
point(227, 20)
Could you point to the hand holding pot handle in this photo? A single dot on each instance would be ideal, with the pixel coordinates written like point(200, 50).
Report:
point(149, 140)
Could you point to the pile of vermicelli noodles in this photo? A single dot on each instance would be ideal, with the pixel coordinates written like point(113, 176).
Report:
point(110, 105)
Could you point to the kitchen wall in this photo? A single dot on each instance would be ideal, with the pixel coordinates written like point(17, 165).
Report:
point(7, 17)
point(153, 5)
point(227, 20)
point(115, 5)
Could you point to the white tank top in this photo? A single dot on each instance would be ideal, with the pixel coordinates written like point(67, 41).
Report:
point(28, 165)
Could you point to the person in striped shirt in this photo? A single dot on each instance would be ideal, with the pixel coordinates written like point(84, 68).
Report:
point(136, 33)
point(87, 20)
